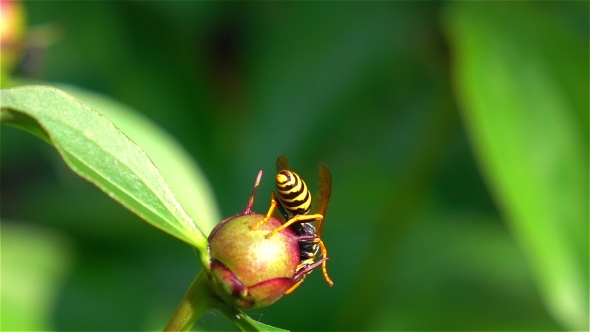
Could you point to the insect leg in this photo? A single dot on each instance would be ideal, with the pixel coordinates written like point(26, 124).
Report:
point(300, 276)
point(273, 204)
point(303, 272)
point(281, 209)
point(325, 255)
point(295, 219)
point(295, 286)
point(324, 251)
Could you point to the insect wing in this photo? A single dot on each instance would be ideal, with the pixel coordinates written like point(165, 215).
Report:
point(282, 163)
point(324, 193)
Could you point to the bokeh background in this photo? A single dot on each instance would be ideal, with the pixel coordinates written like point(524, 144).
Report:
point(456, 132)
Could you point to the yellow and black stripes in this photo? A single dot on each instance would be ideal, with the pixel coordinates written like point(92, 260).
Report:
point(293, 192)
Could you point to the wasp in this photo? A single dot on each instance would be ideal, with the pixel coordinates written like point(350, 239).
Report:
point(294, 202)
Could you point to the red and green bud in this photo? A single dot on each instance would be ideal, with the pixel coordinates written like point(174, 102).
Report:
point(247, 269)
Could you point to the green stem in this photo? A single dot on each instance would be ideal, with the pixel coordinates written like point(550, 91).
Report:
point(197, 300)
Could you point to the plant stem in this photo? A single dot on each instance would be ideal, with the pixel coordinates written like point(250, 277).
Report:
point(196, 301)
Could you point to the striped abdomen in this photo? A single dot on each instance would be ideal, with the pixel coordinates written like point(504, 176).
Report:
point(293, 192)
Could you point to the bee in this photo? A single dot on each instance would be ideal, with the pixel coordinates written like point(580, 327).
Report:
point(294, 202)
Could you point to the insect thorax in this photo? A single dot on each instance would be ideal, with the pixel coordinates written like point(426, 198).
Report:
point(307, 247)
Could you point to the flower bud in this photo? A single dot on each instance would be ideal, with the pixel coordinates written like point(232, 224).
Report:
point(247, 269)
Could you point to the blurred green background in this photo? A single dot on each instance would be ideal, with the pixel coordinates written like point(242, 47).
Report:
point(456, 132)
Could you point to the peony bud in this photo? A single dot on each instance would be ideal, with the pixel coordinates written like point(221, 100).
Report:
point(247, 269)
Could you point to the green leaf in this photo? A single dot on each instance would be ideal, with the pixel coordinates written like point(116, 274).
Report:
point(248, 324)
point(243, 321)
point(519, 76)
point(101, 153)
point(180, 171)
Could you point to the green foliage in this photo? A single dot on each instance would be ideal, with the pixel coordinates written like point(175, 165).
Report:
point(456, 133)
point(40, 257)
point(177, 167)
point(530, 133)
point(99, 152)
